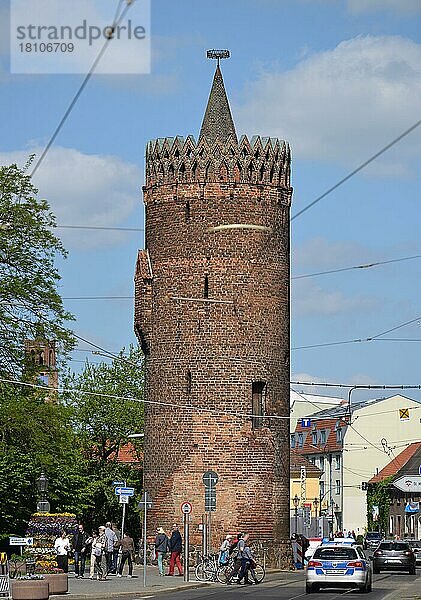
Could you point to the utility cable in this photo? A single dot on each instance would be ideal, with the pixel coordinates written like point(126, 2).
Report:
point(355, 171)
point(363, 266)
point(117, 20)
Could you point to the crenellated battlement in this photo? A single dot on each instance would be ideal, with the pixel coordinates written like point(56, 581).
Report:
point(262, 160)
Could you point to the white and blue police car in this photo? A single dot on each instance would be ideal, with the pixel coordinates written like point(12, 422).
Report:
point(339, 564)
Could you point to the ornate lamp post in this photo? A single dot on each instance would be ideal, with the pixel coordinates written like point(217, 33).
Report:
point(296, 502)
point(43, 505)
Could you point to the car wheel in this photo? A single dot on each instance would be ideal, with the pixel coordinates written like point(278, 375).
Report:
point(309, 588)
point(376, 570)
point(412, 571)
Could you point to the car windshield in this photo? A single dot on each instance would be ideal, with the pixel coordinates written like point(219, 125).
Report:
point(373, 535)
point(415, 544)
point(339, 553)
point(397, 546)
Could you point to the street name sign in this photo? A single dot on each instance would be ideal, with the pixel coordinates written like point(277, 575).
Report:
point(21, 541)
point(123, 483)
point(408, 483)
point(124, 491)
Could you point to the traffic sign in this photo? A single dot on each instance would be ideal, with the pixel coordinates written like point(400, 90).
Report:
point(123, 483)
point(210, 479)
point(408, 483)
point(21, 541)
point(305, 422)
point(210, 499)
point(124, 491)
point(124, 499)
point(186, 508)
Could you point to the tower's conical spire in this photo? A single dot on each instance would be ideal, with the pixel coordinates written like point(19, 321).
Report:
point(217, 122)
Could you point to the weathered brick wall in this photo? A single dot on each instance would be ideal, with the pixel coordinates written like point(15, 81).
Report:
point(204, 356)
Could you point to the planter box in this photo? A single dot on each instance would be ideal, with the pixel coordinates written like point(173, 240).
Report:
point(30, 590)
point(57, 582)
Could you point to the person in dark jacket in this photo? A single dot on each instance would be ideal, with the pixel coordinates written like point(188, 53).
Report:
point(127, 550)
point(162, 544)
point(79, 546)
point(175, 549)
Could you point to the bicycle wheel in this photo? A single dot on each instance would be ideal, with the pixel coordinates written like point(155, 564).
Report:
point(204, 572)
point(258, 573)
point(224, 573)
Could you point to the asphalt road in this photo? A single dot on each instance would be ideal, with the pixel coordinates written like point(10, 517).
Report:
point(396, 586)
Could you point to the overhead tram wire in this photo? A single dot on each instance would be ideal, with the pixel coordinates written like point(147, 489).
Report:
point(357, 170)
point(358, 340)
point(116, 21)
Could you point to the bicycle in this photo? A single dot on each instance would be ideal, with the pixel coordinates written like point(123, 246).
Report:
point(207, 569)
point(224, 572)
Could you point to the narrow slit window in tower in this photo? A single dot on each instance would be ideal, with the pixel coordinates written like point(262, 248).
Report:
point(206, 287)
point(188, 382)
point(187, 212)
point(257, 390)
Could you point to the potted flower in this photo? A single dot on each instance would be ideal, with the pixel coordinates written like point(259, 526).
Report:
point(56, 578)
point(30, 587)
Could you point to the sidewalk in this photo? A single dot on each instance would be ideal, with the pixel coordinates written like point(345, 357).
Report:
point(81, 589)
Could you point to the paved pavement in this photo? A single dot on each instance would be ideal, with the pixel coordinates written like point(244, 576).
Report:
point(83, 589)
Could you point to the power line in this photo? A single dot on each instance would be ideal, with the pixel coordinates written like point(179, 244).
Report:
point(117, 20)
point(355, 171)
point(97, 298)
point(188, 407)
point(360, 340)
point(362, 386)
point(97, 227)
point(363, 266)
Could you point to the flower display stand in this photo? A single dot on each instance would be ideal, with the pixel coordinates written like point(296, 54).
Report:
point(30, 589)
point(57, 582)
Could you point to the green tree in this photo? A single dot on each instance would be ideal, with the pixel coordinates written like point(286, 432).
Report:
point(30, 306)
point(106, 404)
point(378, 494)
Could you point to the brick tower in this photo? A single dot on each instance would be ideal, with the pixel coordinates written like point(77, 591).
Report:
point(212, 317)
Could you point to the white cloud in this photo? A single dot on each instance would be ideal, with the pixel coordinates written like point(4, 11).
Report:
point(309, 299)
point(85, 189)
point(398, 6)
point(341, 104)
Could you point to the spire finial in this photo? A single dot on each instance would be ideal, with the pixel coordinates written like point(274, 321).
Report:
point(217, 122)
point(218, 54)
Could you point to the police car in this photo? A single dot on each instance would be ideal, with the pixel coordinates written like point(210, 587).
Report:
point(339, 564)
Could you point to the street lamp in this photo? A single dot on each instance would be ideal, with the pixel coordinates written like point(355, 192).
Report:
point(296, 502)
point(43, 505)
point(316, 504)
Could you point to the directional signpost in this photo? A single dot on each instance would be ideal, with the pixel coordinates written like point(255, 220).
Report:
point(21, 541)
point(124, 491)
point(408, 483)
point(210, 479)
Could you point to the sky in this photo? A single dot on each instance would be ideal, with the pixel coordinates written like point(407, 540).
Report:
point(338, 80)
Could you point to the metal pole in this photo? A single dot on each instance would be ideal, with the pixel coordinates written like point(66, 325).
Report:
point(122, 521)
point(186, 548)
point(144, 541)
point(296, 519)
point(210, 534)
point(204, 535)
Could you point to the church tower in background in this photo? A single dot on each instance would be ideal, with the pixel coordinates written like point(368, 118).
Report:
point(212, 317)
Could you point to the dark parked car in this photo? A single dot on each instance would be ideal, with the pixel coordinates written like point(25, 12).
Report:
point(372, 540)
point(416, 547)
point(393, 555)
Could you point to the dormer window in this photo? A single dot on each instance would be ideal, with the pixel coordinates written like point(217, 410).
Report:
point(292, 440)
point(300, 440)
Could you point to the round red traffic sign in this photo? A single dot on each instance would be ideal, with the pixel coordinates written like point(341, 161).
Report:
point(186, 508)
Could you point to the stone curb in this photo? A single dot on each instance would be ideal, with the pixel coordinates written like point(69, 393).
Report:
point(131, 594)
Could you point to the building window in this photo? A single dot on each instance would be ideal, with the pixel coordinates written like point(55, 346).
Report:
point(257, 389)
point(314, 437)
point(322, 490)
point(188, 382)
point(206, 287)
point(338, 486)
point(300, 440)
point(323, 436)
point(292, 440)
point(322, 463)
point(337, 462)
point(339, 435)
